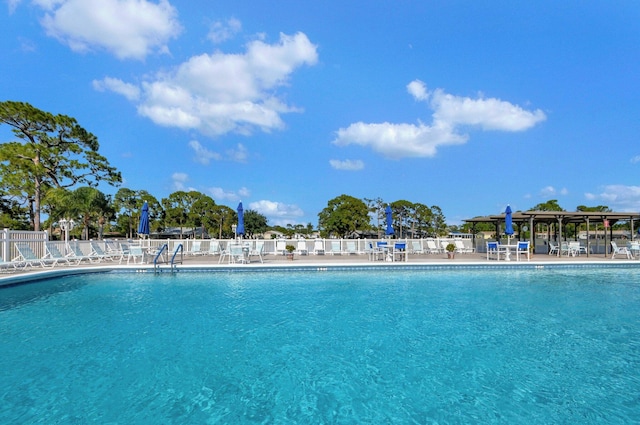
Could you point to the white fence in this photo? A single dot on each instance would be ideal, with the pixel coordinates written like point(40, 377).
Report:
point(8, 238)
point(36, 240)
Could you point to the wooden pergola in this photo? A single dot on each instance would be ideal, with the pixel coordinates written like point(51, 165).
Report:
point(561, 219)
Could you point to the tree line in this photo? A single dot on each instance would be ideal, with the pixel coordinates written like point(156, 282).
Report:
point(53, 167)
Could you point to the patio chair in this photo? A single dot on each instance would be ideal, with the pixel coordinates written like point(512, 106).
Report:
point(97, 251)
point(54, 255)
point(494, 251)
point(373, 252)
point(8, 266)
point(302, 248)
point(623, 250)
point(351, 248)
point(214, 247)
point(224, 252)
point(399, 251)
point(432, 247)
point(114, 249)
point(236, 254)
point(461, 247)
point(135, 252)
point(417, 247)
point(281, 246)
point(553, 248)
point(523, 249)
point(78, 255)
point(576, 249)
point(335, 248)
point(27, 257)
point(318, 247)
point(196, 248)
point(257, 250)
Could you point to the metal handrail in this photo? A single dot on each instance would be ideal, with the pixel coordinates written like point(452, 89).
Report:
point(175, 252)
point(158, 254)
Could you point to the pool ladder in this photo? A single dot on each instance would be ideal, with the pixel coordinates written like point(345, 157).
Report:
point(157, 260)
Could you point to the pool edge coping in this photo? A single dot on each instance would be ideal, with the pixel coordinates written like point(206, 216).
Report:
point(43, 274)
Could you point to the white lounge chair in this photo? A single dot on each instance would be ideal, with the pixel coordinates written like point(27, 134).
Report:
point(302, 247)
point(8, 266)
point(335, 248)
point(27, 257)
point(351, 248)
point(318, 247)
point(78, 255)
point(432, 247)
point(54, 255)
point(416, 247)
point(115, 249)
point(97, 251)
point(461, 247)
point(623, 250)
point(553, 248)
point(281, 246)
point(214, 247)
point(196, 248)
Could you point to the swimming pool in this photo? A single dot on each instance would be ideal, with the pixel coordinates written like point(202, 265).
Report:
point(346, 347)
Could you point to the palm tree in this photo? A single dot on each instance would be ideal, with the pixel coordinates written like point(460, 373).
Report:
point(89, 205)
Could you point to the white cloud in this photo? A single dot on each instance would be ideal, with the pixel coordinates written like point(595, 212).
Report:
point(130, 91)
point(239, 154)
point(12, 5)
point(399, 140)
point(219, 194)
point(202, 154)
point(179, 181)
point(635, 159)
point(222, 31)
point(552, 191)
point(418, 90)
point(129, 29)
point(220, 93)
point(449, 113)
point(489, 114)
point(277, 213)
point(618, 197)
point(244, 192)
point(347, 164)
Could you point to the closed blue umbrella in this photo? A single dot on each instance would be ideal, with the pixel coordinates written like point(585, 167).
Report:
point(508, 223)
point(143, 227)
point(389, 230)
point(240, 228)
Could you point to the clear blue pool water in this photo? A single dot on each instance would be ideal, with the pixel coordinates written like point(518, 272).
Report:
point(425, 347)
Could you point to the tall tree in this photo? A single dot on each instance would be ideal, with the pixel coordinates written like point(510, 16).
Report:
point(403, 214)
point(343, 215)
point(202, 214)
point(51, 151)
point(177, 208)
point(376, 210)
point(550, 205)
point(88, 204)
point(125, 202)
point(254, 223)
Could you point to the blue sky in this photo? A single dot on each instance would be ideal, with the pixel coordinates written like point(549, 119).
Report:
point(285, 105)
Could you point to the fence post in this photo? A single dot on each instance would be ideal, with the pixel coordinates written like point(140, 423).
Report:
point(6, 255)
